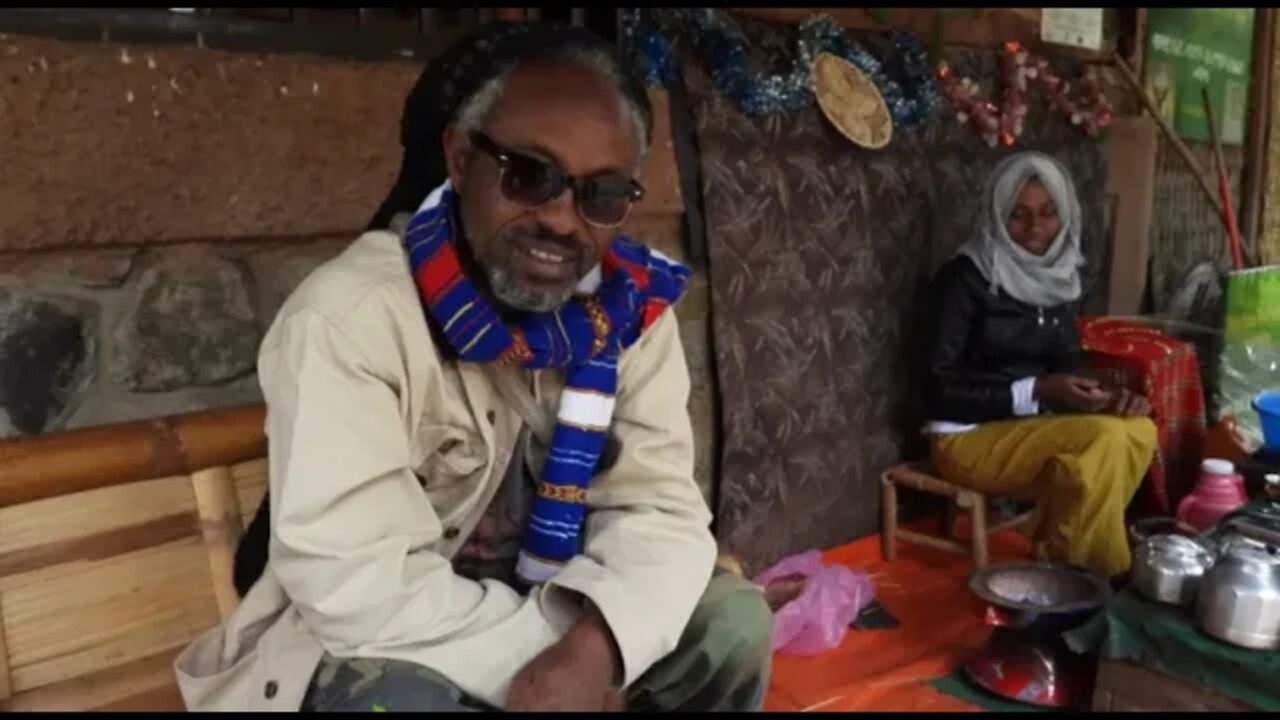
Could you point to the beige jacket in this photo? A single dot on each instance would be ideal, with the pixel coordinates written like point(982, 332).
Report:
point(383, 458)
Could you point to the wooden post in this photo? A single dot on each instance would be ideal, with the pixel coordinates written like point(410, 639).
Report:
point(509, 14)
point(6, 684)
point(1140, 40)
point(1253, 185)
point(1135, 84)
point(220, 526)
point(888, 519)
point(978, 531)
point(426, 20)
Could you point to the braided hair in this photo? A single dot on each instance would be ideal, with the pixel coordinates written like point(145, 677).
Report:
point(453, 79)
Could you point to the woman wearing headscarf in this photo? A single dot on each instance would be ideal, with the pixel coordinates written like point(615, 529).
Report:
point(1013, 412)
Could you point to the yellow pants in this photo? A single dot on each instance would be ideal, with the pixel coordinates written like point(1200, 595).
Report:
point(1080, 470)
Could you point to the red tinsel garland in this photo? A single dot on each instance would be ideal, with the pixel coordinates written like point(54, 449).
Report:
point(1090, 109)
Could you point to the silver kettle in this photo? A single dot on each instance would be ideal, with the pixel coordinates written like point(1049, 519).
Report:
point(1169, 568)
point(1239, 597)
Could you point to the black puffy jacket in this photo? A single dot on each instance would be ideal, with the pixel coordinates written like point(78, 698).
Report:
point(981, 342)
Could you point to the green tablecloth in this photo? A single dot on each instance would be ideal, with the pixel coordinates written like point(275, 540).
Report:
point(1166, 639)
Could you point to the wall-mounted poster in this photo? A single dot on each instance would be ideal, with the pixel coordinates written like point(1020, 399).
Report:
point(1077, 27)
point(1188, 48)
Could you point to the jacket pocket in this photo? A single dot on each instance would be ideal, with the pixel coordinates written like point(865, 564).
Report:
point(451, 454)
point(272, 672)
point(208, 685)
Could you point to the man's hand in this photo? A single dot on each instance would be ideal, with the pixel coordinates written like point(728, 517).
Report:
point(573, 675)
point(1126, 403)
point(1072, 392)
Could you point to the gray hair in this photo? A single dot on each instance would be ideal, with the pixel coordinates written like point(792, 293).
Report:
point(475, 110)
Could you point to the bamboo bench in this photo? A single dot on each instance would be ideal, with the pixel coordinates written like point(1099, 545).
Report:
point(116, 548)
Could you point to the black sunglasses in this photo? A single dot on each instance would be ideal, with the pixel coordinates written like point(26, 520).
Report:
point(604, 200)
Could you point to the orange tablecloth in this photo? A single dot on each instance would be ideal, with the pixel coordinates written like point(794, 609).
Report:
point(941, 624)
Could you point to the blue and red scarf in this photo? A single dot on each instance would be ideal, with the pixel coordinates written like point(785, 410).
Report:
point(584, 337)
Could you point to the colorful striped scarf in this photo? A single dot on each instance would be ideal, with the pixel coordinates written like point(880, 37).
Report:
point(584, 337)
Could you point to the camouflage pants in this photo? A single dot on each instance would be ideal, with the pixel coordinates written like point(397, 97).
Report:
point(720, 664)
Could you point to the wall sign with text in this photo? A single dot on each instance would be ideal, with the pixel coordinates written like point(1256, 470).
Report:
point(1188, 48)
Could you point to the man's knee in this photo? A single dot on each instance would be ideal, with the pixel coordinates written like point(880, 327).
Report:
point(376, 685)
point(733, 622)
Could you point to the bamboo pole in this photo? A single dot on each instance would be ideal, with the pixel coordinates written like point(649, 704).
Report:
point(1224, 183)
point(44, 466)
point(219, 511)
point(6, 683)
point(1136, 85)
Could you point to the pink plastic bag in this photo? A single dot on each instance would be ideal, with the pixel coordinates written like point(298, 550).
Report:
point(818, 619)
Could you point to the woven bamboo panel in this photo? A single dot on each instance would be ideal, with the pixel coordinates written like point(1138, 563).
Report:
point(144, 685)
point(116, 552)
point(95, 524)
point(79, 618)
point(100, 589)
point(1186, 230)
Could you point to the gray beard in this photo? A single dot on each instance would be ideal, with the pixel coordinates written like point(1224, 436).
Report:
point(509, 293)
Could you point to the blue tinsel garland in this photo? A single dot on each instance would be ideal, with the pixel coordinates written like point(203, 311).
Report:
point(763, 94)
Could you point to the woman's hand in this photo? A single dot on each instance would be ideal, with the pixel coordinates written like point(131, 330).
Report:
point(1127, 403)
point(1072, 392)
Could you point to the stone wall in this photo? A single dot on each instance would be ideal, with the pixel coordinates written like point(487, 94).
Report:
point(97, 337)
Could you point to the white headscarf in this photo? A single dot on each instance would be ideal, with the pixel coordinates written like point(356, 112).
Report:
point(1041, 280)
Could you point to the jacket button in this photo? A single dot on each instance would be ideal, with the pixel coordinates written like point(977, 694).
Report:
point(493, 417)
point(271, 689)
point(451, 533)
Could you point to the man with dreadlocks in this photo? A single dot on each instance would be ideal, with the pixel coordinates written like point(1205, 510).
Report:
point(481, 488)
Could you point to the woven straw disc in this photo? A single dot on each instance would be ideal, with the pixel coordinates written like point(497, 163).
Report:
point(851, 102)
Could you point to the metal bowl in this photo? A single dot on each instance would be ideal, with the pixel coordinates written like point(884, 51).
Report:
point(1040, 587)
point(1037, 671)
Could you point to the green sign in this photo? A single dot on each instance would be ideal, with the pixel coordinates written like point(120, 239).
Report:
point(1189, 48)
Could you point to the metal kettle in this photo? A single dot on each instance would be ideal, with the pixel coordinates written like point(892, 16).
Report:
point(1169, 568)
point(1239, 598)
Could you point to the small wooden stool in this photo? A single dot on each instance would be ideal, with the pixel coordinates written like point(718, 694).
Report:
point(917, 476)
